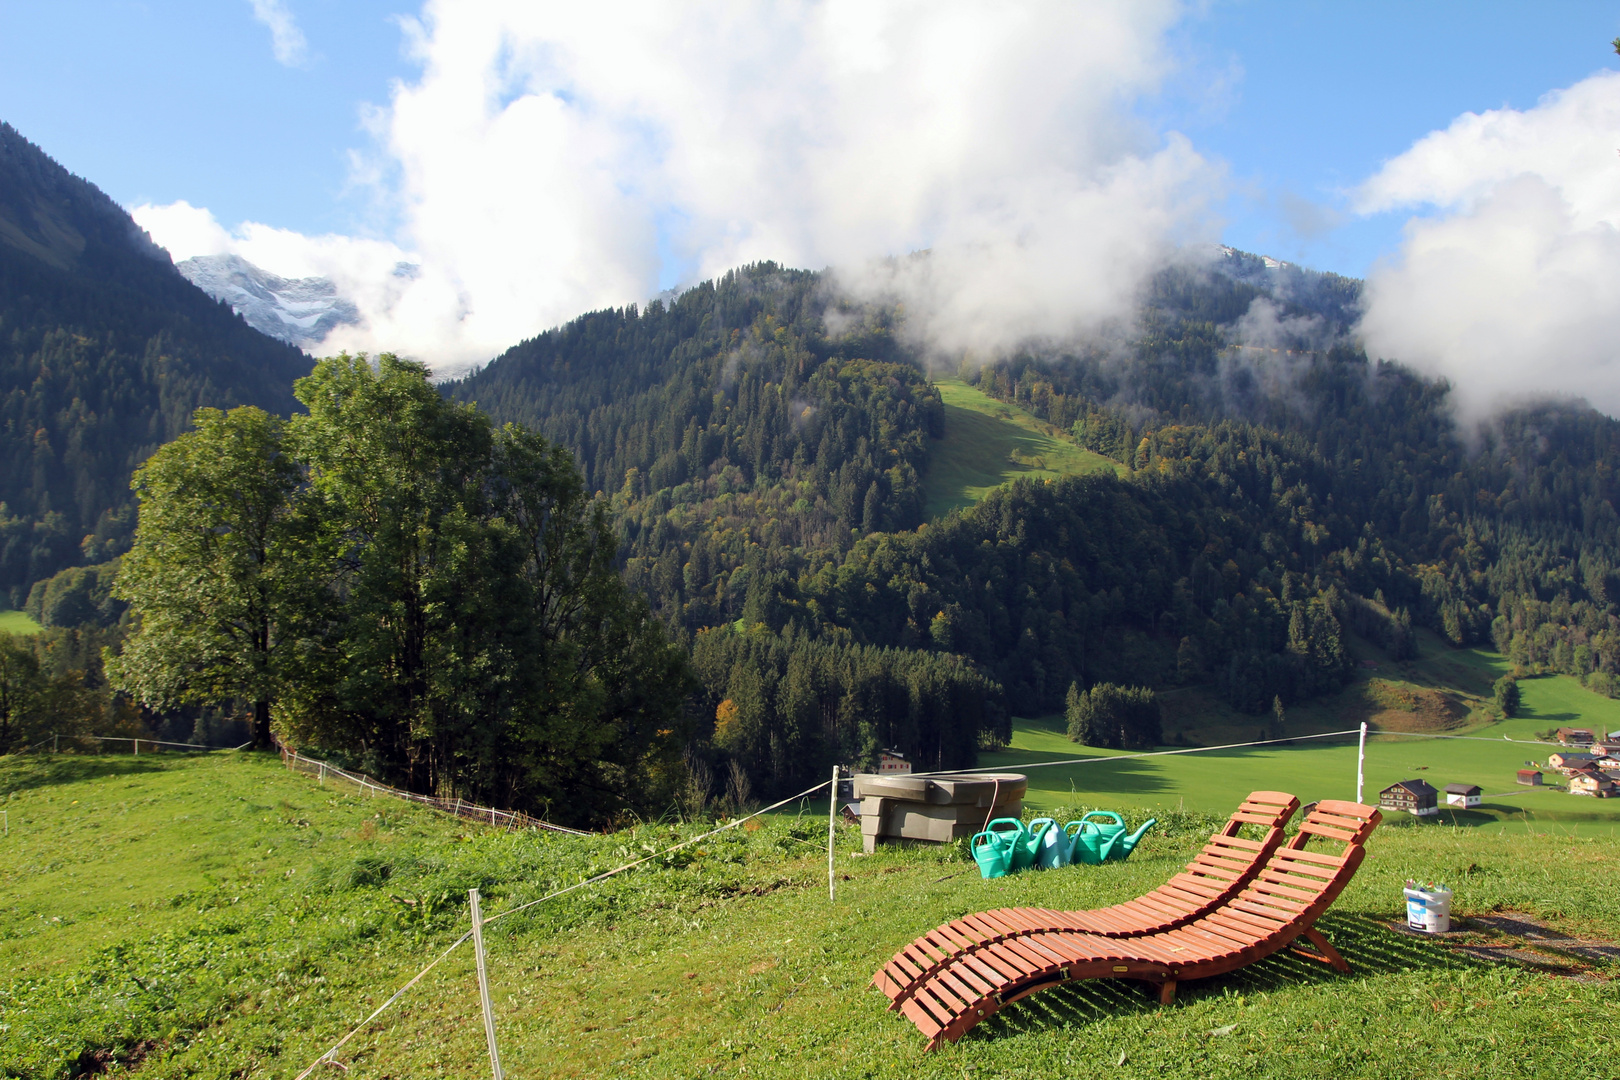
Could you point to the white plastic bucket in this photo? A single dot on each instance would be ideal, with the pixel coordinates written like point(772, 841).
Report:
point(1428, 911)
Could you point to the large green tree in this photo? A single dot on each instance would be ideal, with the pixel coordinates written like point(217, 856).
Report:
point(225, 569)
point(484, 642)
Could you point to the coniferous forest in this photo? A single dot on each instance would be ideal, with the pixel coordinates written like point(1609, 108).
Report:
point(736, 478)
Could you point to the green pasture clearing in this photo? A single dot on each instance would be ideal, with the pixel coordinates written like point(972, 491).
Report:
point(18, 622)
point(216, 916)
point(989, 442)
point(1213, 781)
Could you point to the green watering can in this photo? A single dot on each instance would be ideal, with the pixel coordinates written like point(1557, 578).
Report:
point(1097, 841)
point(1001, 848)
point(1056, 846)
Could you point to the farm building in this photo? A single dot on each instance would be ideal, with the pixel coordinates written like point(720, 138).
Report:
point(1414, 796)
point(1530, 777)
point(1574, 736)
point(891, 762)
point(1564, 762)
point(1586, 783)
point(1462, 795)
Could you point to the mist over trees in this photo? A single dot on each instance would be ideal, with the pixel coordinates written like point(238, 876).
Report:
point(750, 458)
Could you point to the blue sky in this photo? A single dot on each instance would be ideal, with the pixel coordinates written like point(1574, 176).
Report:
point(535, 159)
point(160, 101)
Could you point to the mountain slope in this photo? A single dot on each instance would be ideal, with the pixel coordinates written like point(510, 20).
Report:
point(105, 351)
point(299, 311)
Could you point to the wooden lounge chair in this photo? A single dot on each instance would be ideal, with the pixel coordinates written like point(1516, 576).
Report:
point(1277, 908)
point(1218, 873)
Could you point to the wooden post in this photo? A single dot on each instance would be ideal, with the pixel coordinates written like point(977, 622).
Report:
point(137, 748)
point(55, 745)
point(832, 825)
point(1361, 761)
point(483, 982)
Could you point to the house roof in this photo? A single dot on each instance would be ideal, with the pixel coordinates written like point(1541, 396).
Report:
point(1416, 787)
point(1462, 789)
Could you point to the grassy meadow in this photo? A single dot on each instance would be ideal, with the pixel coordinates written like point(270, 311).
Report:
point(1443, 691)
point(989, 442)
point(18, 622)
point(216, 916)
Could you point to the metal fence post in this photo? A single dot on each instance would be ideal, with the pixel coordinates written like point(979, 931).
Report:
point(483, 982)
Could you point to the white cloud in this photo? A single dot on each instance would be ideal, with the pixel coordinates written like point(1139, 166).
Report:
point(1513, 291)
point(286, 40)
point(552, 158)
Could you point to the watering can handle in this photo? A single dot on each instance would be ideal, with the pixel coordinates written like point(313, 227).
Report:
point(1105, 813)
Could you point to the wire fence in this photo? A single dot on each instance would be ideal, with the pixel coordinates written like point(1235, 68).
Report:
point(328, 1056)
point(137, 743)
point(510, 819)
point(325, 769)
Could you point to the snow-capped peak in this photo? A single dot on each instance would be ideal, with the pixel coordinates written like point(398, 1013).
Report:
point(300, 311)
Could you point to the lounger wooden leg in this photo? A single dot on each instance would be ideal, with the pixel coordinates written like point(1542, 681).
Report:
point(1167, 991)
point(1329, 955)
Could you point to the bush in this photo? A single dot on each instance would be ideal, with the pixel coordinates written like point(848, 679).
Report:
point(1506, 696)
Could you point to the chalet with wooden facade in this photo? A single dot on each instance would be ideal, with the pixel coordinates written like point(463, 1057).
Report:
point(1594, 784)
point(1564, 762)
point(1413, 796)
point(1574, 736)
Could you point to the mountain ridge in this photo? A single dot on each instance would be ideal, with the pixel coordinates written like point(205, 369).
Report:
point(105, 352)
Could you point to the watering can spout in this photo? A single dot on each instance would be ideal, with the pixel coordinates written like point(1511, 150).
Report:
point(1128, 843)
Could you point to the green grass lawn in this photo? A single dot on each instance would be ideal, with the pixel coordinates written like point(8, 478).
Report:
point(18, 622)
point(1215, 781)
point(216, 916)
point(989, 442)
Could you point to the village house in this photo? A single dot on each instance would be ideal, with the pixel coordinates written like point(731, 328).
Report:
point(1464, 795)
point(1530, 777)
point(1414, 796)
point(1564, 762)
point(1574, 736)
point(1606, 749)
point(892, 762)
point(1590, 783)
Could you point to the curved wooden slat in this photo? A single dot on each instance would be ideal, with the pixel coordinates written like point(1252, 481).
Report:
point(1262, 919)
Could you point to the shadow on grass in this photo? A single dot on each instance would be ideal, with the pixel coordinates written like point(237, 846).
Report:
point(47, 770)
point(1371, 947)
point(1106, 775)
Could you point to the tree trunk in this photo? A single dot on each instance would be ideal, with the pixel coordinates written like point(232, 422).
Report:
point(261, 726)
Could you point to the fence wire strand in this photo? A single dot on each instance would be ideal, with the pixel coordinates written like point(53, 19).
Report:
point(327, 1056)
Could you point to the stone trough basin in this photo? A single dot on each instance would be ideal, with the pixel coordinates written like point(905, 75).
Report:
point(939, 808)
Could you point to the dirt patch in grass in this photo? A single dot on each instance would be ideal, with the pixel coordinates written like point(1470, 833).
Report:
point(1393, 706)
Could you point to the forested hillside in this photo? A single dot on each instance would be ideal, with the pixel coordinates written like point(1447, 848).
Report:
point(105, 351)
point(762, 441)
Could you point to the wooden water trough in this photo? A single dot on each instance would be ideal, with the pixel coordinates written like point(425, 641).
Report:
point(941, 807)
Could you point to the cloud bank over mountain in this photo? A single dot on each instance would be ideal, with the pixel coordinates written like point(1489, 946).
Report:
point(554, 158)
point(1512, 288)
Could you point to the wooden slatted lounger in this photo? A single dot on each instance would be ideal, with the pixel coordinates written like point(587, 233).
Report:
point(1277, 908)
point(1218, 873)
